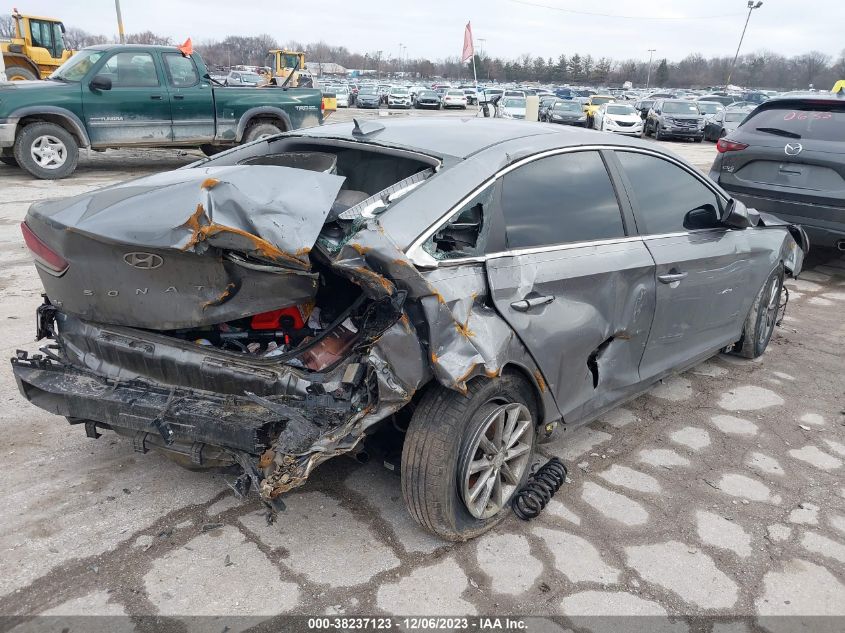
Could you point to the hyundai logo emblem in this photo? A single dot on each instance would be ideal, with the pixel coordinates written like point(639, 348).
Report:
point(793, 149)
point(144, 261)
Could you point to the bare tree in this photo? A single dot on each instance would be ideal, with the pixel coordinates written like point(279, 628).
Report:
point(149, 38)
point(7, 27)
point(77, 38)
point(811, 64)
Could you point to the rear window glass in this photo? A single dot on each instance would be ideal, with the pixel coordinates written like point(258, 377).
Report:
point(816, 122)
point(733, 117)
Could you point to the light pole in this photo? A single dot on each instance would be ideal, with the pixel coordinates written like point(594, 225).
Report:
point(651, 52)
point(400, 56)
point(751, 6)
point(119, 22)
point(378, 65)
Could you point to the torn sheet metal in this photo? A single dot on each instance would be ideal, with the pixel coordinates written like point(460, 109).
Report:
point(189, 247)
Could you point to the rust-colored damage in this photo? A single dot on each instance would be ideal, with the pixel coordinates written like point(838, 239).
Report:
point(463, 328)
point(381, 280)
point(266, 458)
point(260, 246)
point(209, 183)
point(193, 225)
point(360, 248)
point(540, 382)
point(222, 298)
point(460, 383)
point(406, 322)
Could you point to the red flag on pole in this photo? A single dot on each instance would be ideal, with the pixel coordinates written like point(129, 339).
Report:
point(469, 51)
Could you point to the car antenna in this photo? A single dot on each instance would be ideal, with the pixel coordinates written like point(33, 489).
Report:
point(369, 127)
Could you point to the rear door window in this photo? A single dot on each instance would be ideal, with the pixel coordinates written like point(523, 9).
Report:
point(560, 199)
point(666, 198)
point(812, 122)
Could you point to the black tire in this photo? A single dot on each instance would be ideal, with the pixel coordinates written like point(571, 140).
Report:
point(760, 322)
point(438, 436)
point(7, 157)
point(657, 135)
point(261, 129)
point(36, 134)
point(19, 73)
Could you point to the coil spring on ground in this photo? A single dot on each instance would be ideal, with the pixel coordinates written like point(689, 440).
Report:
point(539, 489)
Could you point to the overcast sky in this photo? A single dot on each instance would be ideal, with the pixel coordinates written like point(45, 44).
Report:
point(434, 28)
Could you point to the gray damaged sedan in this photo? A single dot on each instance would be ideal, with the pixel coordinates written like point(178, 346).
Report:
point(478, 284)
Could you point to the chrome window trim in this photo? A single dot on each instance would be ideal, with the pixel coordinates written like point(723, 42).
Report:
point(417, 254)
point(421, 258)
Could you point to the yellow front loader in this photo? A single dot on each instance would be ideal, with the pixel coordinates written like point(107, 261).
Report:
point(37, 48)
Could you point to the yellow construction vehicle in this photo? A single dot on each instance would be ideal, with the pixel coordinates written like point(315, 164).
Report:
point(283, 63)
point(287, 69)
point(839, 88)
point(37, 48)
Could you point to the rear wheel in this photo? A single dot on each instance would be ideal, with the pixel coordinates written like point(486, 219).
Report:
point(761, 321)
point(46, 151)
point(18, 73)
point(258, 131)
point(465, 456)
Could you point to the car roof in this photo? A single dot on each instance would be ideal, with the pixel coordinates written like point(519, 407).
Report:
point(156, 47)
point(462, 137)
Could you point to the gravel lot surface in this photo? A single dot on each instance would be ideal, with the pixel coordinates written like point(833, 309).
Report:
point(720, 492)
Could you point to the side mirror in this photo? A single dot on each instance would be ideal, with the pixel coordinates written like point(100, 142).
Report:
point(738, 216)
point(100, 82)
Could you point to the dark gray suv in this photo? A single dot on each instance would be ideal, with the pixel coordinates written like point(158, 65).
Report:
point(788, 158)
point(674, 118)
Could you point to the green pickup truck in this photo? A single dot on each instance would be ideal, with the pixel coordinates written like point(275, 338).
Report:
point(138, 96)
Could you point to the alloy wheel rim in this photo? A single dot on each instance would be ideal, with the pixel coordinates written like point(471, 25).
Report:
point(48, 152)
point(771, 312)
point(496, 459)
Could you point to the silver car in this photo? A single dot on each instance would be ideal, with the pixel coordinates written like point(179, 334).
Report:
point(477, 284)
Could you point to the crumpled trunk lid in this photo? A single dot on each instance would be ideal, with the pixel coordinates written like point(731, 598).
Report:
point(210, 245)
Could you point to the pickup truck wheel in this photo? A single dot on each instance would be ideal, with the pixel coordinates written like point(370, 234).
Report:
point(465, 456)
point(761, 321)
point(261, 130)
point(46, 151)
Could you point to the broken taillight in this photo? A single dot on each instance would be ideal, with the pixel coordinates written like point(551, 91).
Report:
point(43, 254)
point(724, 145)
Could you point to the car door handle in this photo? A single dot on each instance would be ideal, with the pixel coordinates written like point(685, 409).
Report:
point(534, 302)
point(155, 97)
point(671, 277)
point(179, 97)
